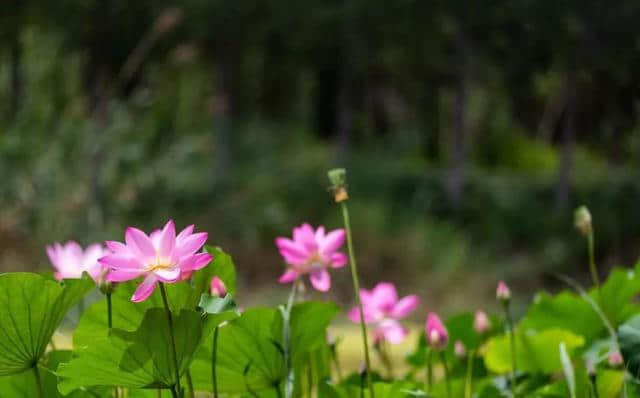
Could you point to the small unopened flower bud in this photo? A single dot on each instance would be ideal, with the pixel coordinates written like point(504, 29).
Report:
point(459, 349)
point(503, 293)
point(582, 220)
point(217, 287)
point(437, 335)
point(338, 179)
point(615, 358)
point(481, 322)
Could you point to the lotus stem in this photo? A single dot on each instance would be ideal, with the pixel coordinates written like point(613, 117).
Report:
point(109, 311)
point(36, 373)
point(173, 340)
point(356, 290)
point(286, 341)
point(214, 354)
point(192, 393)
point(443, 359)
point(429, 376)
point(469, 377)
point(512, 347)
point(592, 261)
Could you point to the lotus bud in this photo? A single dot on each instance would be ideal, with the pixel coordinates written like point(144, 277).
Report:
point(481, 322)
point(338, 179)
point(459, 349)
point(437, 335)
point(217, 287)
point(503, 293)
point(615, 358)
point(582, 220)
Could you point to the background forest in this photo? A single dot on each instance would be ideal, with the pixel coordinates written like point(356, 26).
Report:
point(471, 131)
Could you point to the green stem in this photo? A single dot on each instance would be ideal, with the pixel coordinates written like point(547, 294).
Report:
point(173, 339)
point(356, 291)
point(174, 393)
point(278, 392)
point(109, 311)
point(592, 261)
point(336, 361)
point(469, 377)
point(159, 393)
point(36, 373)
point(286, 340)
point(595, 386)
point(443, 359)
point(384, 357)
point(192, 393)
point(429, 381)
point(214, 354)
point(512, 348)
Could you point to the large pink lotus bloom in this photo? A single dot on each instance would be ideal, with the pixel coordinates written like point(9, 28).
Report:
point(312, 252)
point(160, 257)
point(382, 308)
point(70, 260)
point(437, 335)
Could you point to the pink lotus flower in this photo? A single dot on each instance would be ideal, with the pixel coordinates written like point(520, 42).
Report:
point(159, 257)
point(437, 335)
point(70, 261)
point(481, 322)
point(382, 308)
point(312, 252)
point(217, 287)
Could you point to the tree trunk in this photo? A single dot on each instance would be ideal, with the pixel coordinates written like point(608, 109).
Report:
point(16, 74)
point(459, 146)
point(224, 109)
point(431, 111)
point(563, 184)
point(97, 106)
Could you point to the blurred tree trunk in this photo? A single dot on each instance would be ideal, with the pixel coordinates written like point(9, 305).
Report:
point(431, 116)
point(459, 146)
point(566, 155)
point(16, 75)
point(225, 107)
point(277, 78)
point(97, 105)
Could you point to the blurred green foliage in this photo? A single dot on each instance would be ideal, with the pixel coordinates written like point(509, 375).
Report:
point(244, 155)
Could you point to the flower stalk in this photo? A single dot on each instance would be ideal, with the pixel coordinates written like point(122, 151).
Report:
point(468, 383)
point(176, 389)
point(109, 311)
point(503, 294)
point(36, 374)
point(286, 341)
point(583, 223)
point(214, 354)
point(338, 179)
point(429, 381)
point(447, 381)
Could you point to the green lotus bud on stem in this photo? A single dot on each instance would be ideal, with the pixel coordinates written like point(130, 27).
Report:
point(338, 179)
point(582, 220)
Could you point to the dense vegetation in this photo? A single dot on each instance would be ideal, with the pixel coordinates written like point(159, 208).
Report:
point(473, 129)
point(168, 324)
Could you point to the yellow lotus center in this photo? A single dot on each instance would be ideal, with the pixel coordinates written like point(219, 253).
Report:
point(314, 262)
point(159, 264)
